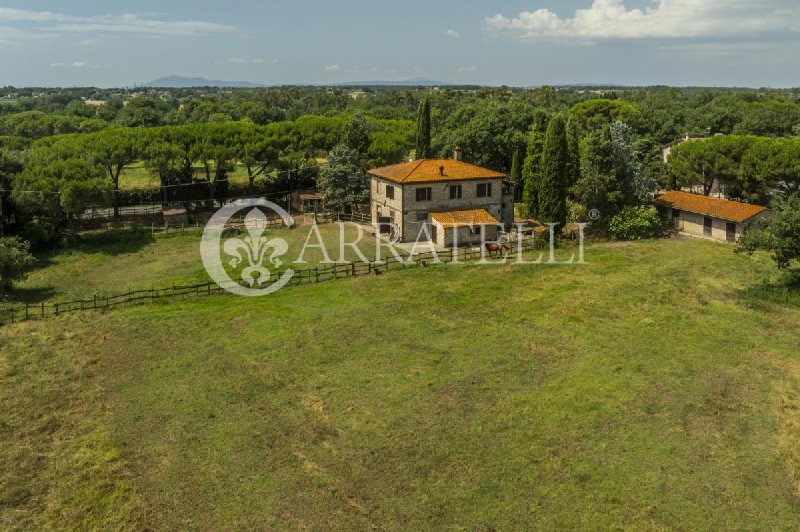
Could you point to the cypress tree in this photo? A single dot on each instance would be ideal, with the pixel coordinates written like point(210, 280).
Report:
point(424, 130)
point(531, 169)
point(553, 184)
point(573, 148)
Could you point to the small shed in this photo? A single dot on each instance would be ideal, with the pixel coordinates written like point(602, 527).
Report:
point(176, 218)
point(712, 218)
point(311, 202)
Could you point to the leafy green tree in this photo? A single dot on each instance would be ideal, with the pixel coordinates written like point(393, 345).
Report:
point(779, 234)
point(553, 186)
point(516, 172)
point(708, 162)
point(635, 223)
point(60, 180)
point(424, 131)
point(634, 184)
point(15, 261)
point(257, 150)
point(165, 158)
point(78, 195)
point(114, 149)
point(768, 165)
point(343, 183)
point(593, 114)
point(489, 133)
point(357, 135)
point(143, 112)
point(10, 166)
point(597, 187)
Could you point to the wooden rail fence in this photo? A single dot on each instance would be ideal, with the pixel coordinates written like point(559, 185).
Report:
point(300, 277)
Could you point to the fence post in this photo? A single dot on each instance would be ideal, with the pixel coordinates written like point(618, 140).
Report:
point(26, 311)
point(353, 268)
point(56, 307)
point(43, 309)
point(316, 273)
point(95, 301)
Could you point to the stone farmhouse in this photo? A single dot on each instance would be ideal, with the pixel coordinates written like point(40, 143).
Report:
point(713, 218)
point(452, 198)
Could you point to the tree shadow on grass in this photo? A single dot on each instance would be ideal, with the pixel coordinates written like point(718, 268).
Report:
point(112, 242)
point(784, 292)
point(30, 296)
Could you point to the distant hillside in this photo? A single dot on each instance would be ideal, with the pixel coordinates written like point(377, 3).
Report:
point(178, 82)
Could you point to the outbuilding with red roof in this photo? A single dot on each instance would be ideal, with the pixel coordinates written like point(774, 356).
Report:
point(713, 218)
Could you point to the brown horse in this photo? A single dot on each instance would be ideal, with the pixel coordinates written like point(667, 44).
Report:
point(500, 249)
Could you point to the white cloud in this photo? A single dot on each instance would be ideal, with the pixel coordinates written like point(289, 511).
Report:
point(331, 68)
point(453, 33)
point(126, 23)
point(244, 61)
point(611, 19)
point(74, 64)
point(467, 69)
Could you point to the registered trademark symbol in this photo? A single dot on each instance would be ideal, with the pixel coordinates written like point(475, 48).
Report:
point(594, 214)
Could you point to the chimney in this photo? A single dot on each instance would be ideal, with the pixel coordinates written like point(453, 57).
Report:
point(441, 171)
point(458, 153)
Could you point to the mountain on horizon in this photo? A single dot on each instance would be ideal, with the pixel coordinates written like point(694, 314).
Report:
point(179, 82)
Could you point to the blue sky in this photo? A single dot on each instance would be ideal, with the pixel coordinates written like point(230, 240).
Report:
point(515, 42)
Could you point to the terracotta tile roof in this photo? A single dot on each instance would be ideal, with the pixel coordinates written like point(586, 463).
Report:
point(427, 170)
point(733, 211)
point(466, 218)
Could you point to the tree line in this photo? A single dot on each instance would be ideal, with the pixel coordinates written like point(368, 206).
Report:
point(745, 167)
point(58, 177)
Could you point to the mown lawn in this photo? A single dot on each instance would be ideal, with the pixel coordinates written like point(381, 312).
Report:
point(108, 263)
point(646, 389)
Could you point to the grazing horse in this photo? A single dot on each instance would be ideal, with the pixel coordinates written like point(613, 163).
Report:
point(501, 249)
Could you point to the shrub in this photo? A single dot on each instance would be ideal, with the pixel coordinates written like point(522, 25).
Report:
point(577, 213)
point(15, 261)
point(40, 232)
point(635, 223)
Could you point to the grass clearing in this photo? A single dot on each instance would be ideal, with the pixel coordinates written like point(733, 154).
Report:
point(107, 263)
point(638, 391)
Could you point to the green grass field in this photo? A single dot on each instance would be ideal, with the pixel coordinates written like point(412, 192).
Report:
point(108, 263)
point(656, 387)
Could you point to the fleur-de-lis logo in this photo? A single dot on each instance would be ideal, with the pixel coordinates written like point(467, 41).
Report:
point(249, 252)
point(253, 249)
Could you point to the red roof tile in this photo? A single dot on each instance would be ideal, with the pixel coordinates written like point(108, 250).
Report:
point(733, 211)
point(464, 218)
point(428, 170)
